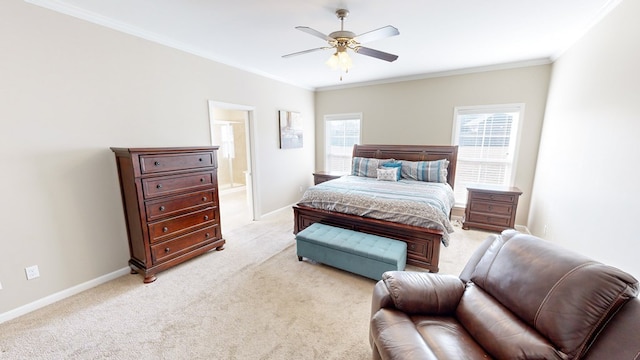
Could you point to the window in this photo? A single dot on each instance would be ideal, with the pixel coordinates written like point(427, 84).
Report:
point(341, 133)
point(487, 142)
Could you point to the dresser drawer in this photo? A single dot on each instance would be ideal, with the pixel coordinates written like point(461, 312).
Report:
point(489, 219)
point(168, 185)
point(173, 206)
point(183, 244)
point(162, 230)
point(492, 207)
point(508, 198)
point(150, 164)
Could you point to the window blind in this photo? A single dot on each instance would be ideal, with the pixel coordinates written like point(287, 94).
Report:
point(486, 139)
point(341, 133)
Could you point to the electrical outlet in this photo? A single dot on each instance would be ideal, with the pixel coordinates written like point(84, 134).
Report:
point(32, 272)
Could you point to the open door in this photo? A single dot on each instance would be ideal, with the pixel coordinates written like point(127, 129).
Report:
point(231, 126)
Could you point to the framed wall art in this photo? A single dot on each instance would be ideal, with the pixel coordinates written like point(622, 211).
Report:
point(290, 129)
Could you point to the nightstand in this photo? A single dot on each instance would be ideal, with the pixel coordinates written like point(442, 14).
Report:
point(491, 207)
point(322, 176)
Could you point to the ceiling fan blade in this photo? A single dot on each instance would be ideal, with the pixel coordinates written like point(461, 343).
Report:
point(304, 52)
point(314, 32)
point(377, 34)
point(376, 54)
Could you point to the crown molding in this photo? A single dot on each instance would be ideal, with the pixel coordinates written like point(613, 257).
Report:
point(466, 71)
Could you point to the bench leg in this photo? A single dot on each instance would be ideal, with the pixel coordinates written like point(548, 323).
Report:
point(299, 258)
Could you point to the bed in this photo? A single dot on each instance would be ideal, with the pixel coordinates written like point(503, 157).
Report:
point(423, 243)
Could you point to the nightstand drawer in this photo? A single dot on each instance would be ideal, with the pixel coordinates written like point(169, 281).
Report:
point(508, 198)
point(489, 219)
point(492, 207)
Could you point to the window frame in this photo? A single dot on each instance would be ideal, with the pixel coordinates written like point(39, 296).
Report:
point(514, 138)
point(338, 117)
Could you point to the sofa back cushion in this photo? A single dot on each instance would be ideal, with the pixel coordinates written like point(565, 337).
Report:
point(564, 296)
point(499, 331)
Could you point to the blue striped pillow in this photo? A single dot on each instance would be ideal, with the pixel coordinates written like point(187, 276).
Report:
point(429, 171)
point(365, 167)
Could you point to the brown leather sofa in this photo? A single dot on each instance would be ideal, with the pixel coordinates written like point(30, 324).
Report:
point(519, 297)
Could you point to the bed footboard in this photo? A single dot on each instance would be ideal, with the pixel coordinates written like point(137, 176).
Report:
point(423, 245)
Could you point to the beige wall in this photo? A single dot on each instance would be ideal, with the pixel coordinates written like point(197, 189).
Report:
point(69, 90)
point(421, 112)
point(586, 185)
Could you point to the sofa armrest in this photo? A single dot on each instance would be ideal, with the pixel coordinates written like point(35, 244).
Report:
point(619, 338)
point(417, 293)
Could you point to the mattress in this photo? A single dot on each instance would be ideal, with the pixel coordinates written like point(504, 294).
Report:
point(409, 202)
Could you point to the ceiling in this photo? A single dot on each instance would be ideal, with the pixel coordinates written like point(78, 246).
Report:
point(436, 37)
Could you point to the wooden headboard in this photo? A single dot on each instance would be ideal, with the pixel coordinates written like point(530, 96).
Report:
point(412, 153)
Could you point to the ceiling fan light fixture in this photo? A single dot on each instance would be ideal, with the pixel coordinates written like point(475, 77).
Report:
point(340, 60)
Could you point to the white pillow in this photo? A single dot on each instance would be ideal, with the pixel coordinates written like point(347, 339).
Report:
point(387, 174)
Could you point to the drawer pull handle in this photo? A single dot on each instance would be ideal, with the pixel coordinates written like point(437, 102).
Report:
point(166, 250)
point(200, 159)
point(206, 217)
point(206, 235)
point(161, 208)
point(204, 198)
point(156, 163)
point(159, 186)
point(201, 179)
point(165, 229)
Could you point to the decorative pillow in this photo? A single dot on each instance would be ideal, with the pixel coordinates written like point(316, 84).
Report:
point(430, 171)
point(394, 164)
point(387, 174)
point(364, 167)
point(367, 166)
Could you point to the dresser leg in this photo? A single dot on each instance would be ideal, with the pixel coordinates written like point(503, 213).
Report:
point(220, 248)
point(149, 279)
point(133, 271)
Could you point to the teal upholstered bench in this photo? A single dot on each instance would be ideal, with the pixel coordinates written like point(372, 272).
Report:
point(364, 254)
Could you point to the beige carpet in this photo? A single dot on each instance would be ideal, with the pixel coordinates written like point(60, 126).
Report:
point(253, 300)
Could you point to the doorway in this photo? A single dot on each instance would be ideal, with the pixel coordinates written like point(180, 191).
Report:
point(231, 126)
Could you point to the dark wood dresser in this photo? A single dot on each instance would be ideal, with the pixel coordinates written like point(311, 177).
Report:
point(170, 200)
point(491, 207)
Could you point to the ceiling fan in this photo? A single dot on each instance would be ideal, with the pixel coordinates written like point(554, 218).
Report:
point(342, 40)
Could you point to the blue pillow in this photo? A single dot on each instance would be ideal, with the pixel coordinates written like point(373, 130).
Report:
point(394, 165)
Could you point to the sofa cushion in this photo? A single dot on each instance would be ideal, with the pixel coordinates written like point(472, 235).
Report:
point(447, 338)
point(565, 296)
point(499, 331)
point(423, 293)
point(399, 336)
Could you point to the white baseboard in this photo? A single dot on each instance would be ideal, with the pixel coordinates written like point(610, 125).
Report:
point(48, 300)
point(288, 207)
